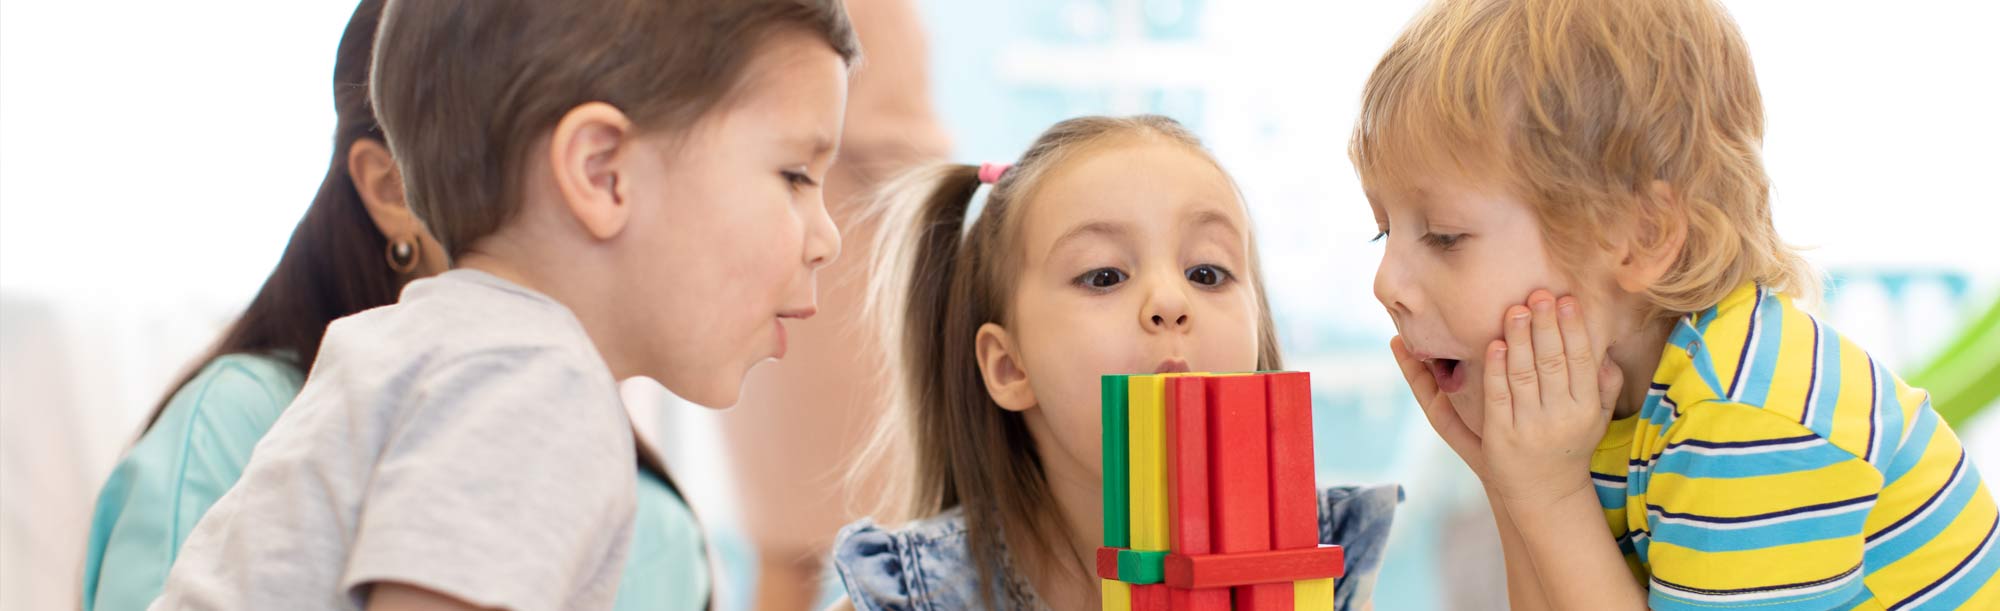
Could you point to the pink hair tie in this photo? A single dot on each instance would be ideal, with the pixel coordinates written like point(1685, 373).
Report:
point(990, 173)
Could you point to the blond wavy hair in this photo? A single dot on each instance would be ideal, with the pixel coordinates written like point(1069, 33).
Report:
point(1583, 107)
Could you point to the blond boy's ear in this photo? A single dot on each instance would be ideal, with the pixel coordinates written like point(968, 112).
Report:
point(588, 152)
point(1000, 366)
point(1653, 238)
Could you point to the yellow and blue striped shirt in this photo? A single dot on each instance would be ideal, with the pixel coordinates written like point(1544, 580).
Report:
point(1777, 466)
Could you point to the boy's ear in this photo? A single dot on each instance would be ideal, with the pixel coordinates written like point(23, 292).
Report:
point(588, 152)
point(1653, 240)
point(1000, 365)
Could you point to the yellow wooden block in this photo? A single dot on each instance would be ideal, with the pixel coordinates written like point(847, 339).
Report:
point(1147, 414)
point(1309, 595)
point(1117, 595)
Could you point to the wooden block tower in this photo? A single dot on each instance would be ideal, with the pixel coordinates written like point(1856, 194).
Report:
point(1209, 499)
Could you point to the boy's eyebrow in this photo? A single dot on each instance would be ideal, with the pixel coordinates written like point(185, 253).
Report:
point(1104, 228)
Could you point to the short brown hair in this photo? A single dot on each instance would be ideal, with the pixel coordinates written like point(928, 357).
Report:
point(934, 283)
point(465, 87)
point(1580, 105)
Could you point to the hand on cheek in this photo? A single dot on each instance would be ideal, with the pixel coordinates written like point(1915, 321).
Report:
point(1549, 396)
point(1439, 411)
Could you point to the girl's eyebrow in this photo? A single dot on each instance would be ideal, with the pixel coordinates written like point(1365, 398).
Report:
point(1210, 216)
point(1107, 229)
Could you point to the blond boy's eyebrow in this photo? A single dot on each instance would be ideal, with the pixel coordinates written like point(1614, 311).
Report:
point(1103, 228)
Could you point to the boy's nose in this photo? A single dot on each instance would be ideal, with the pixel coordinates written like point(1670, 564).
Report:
point(1391, 287)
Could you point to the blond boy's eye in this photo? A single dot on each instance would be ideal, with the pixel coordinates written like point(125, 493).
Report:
point(1379, 235)
point(1443, 241)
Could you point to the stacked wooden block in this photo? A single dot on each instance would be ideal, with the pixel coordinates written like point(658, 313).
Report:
point(1209, 497)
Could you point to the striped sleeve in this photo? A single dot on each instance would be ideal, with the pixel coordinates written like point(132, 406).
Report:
point(1747, 508)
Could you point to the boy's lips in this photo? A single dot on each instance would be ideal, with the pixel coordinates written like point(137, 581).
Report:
point(1450, 374)
point(1172, 365)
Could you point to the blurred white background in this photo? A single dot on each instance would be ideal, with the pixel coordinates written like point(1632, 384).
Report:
point(154, 157)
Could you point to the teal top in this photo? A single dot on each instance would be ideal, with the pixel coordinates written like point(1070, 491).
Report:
point(200, 444)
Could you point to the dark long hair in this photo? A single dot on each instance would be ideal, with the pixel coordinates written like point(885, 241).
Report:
point(336, 262)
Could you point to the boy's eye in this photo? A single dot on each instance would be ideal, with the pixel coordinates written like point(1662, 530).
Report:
point(1208, 275)
point(1444, 241)
point(1101, 278)
point(1379, 235)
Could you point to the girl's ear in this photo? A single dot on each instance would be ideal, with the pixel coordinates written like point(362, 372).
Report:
point(587, 153)
point(380, 185)
point(1652, 242)
point(1000, 365)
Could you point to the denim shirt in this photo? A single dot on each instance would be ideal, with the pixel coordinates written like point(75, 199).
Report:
point(925, 566)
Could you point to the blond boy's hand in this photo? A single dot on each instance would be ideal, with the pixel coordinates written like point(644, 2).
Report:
point(1548, 398)
point(1439, 411)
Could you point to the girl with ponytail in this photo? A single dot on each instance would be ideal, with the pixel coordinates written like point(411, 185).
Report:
point(1115, 245)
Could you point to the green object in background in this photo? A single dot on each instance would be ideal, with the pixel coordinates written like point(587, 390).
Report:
point(1964, 379)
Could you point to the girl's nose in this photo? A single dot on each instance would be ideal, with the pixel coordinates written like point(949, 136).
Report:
point(1165, 311)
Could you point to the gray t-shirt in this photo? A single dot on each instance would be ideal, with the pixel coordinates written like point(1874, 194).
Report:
point(469, 440)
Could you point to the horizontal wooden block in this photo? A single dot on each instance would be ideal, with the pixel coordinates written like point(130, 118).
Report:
point(1247, 568)
point(1141, 567)
point(1107, 562)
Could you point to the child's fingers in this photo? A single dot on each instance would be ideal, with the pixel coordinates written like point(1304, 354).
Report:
point(1499, 388)
point(1550, 361)
point(1576, 344)
point(1415, 373)
point(1437, 409)
point(1610, 381)
point(1520, 355)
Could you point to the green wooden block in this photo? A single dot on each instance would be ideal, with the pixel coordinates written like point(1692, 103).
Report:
point(1141, 568)
point(1117, 464)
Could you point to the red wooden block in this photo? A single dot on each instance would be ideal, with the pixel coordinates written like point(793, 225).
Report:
point(1107, 563)
point(1248, 568)
point(1294, 496)
point(1205, 599)
point(1154, 597)
point(1239, 464)
point(1187, 466)
point(1262, 597)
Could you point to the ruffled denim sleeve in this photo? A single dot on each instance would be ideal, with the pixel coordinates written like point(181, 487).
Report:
point(1357, 519)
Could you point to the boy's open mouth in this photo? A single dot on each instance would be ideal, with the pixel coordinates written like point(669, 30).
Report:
point(1448, 374)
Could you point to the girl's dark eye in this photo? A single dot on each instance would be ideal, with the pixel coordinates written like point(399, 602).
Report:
point(1208, 275)
point(1379, 235)
point(1101, 278)
point(1443, 241)
point(798, 179)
